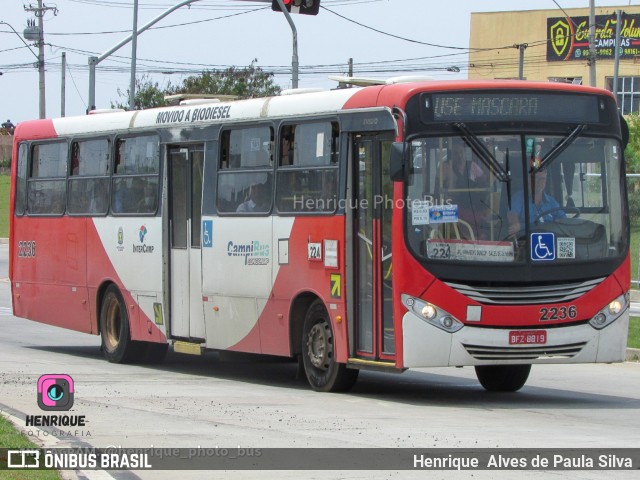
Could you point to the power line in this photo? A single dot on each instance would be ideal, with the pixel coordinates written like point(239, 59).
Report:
point(64, 34)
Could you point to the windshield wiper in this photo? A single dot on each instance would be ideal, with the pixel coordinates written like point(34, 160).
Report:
point(558, 149)
point(483, 153)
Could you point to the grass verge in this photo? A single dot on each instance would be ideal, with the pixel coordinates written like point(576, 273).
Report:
point(4, 205)
point(12, 438)
point(634, 333)
point(634, 249)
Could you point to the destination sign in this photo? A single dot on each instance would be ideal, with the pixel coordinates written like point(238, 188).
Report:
point(509, 107)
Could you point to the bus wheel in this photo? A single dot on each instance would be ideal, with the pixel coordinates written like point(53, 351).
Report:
point(503, 378)
point(117, 345)
point(323, 372)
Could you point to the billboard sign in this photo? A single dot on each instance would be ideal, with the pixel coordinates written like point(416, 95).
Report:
point(568, 37)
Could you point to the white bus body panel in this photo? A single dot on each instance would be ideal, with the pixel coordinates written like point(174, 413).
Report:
point(134, 248)
point(238, 272)
point(427, 346)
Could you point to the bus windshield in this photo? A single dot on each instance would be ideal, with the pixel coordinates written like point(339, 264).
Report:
point(568, 204)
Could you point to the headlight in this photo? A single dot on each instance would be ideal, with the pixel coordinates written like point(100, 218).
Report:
point(432, 314)
point(610, 313)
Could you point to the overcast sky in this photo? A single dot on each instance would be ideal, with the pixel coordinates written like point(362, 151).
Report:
point(220, 33)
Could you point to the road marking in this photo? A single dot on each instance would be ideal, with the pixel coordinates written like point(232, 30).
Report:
point(6, 312)
point(4, 280)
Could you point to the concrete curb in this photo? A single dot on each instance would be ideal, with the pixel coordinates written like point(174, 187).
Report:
point(633, 355)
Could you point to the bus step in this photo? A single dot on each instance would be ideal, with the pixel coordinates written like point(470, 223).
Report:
point(364, 364)
point(187, 347)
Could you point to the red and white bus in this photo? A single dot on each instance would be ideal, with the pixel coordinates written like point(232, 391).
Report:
point(388, 227)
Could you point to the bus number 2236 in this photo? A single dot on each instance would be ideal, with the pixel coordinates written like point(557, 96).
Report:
point(27, 248)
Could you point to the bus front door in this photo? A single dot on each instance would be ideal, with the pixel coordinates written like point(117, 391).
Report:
point(185, 199)
point(371, 219)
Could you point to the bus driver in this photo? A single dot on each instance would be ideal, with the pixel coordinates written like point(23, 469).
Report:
point(544, 207)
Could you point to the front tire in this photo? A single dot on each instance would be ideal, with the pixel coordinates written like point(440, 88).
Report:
point(117, 345)
point(323, 373)
point(503, 378)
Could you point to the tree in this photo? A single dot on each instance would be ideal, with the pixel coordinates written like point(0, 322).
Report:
point(632, 161)
point(148, 95)
point(247, 82)
point(632, 152)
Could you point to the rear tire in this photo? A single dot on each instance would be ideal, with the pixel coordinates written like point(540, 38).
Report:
point(503, 378)
point(323, 373)
point(117, 345)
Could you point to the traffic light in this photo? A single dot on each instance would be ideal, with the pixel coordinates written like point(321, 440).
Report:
point(304, 7)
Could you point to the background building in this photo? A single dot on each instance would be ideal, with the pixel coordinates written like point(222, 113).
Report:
point(556, 48)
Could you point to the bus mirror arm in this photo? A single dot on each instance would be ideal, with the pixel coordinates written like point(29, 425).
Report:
point(624, 127)
point(398, 159)
point(397, 162)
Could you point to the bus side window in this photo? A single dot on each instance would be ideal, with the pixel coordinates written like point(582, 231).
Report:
point(308, 169)
point(88, 180)
point(246, 171)
point(46, 186)
point(135, 180)
point(21, 181)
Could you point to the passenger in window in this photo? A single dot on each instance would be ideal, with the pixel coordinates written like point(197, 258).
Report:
point(258, 200)
point(119, 199)
point(286, 152)
point(75, 159)
point(98, 203)
point(467, 182)
point(147, 202)
point(463, 173)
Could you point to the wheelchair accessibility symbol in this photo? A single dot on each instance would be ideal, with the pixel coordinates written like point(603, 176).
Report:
point(543, 246)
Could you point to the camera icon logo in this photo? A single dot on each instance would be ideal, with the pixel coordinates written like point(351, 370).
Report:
point(55, 392)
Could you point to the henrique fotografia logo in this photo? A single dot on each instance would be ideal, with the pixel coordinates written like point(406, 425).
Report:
point(55, 392)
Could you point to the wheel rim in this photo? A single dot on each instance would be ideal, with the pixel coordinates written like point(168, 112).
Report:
point(320, 345)
point(113, 323)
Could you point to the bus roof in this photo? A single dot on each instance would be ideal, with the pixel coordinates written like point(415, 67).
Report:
point(300, 105)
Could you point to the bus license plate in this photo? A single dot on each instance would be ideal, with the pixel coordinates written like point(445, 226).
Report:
point(527, 337)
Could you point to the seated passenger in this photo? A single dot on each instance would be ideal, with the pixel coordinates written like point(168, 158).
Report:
point(258, 200)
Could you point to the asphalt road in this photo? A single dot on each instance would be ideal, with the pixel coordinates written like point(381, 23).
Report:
point(208, 401)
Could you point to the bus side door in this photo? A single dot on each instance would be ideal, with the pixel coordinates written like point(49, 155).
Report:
point(185, 211)
point(371, 291)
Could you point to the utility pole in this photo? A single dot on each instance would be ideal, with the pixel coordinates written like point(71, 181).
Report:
point(93, 61)
point(616, 63)
point(39, 12)
point(521, 47)
point(592, 43)
point(134, 54)
point(294, 56)
point(63, 83)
